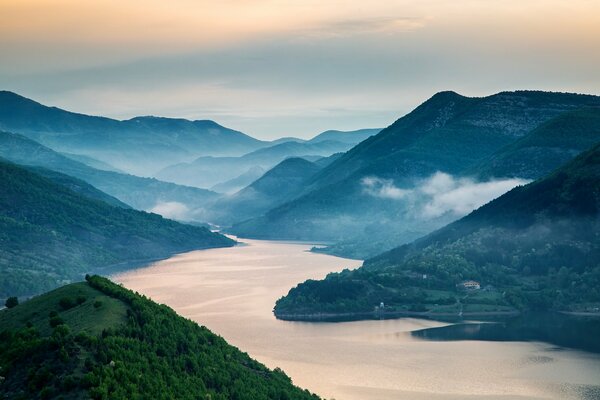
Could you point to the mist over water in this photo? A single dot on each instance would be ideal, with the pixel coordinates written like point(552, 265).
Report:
point(232, 291)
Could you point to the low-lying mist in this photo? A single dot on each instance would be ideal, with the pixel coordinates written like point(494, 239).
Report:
point(440, 194)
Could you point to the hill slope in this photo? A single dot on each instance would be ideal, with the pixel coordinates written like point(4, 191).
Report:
point(538, 246)
point(277, 185)
point(448, 133)
point(140, 145)
point(108, 343)
point(546, 148)
point(140, 193)
point(50, 234)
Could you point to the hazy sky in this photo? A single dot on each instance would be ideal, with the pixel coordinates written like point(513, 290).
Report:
point(280, 68)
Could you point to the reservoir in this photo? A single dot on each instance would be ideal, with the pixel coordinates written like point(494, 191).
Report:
point(232, 292)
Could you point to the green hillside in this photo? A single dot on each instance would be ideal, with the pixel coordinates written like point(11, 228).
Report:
point(50, 235)
point(546, 148)
point(537, 246)
point(97, 340)
point(78, 186)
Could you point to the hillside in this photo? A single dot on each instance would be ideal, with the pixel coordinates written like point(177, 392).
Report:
point(50, 234)
point(78, 186)
point(277, 185)
point(140, 193)
point(139, 145)
point(546, 148)
point(98, 340)
point(537, 246)
point(205, 172)
point(448, 133)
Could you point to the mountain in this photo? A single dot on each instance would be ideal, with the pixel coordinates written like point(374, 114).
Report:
point(139, 145)
point(210, 171)
point(140, 193)
point(277, 185)
point(351, 137)
point(535, 247)
point(239, 182)
point(98, 340)
point(449, 133)
point(546, 148)
point(50, 234)
point(91, 162)
point(78, 186)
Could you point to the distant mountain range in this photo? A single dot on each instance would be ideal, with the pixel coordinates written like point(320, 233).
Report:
point(537, 246)
point(363, 193)
point(54, 230)
point(140, 193)
point(140, 145)
point(281, 183)
point(207, 172)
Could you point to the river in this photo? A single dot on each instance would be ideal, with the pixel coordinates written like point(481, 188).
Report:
point(232, 291)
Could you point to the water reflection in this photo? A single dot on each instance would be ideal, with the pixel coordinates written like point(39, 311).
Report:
point(577, 332)
point(232, 292)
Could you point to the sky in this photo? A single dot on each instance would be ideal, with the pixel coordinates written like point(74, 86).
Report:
point(291, 68)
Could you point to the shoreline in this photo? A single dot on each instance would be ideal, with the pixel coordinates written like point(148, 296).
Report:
point(361, 316)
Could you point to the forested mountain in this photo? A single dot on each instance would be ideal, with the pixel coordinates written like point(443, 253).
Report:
point(206, 172)
point(140, 145)
point(449, 133)
point(546, 148)
point(97, 340)
point(140, 193)
point(277, 185)
point(50, 234)
point(239, 182)
point(78, 186)
point(537, 246)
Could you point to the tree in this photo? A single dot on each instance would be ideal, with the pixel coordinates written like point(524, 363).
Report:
point(11, 302)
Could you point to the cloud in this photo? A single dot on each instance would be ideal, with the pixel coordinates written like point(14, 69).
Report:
point(461, 196)
point(172, 210)
point(383, 188)
point(357, 26)
point(441, 193)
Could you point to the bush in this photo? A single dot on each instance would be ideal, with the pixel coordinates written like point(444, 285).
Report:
point(66, 302)
point(11, 302)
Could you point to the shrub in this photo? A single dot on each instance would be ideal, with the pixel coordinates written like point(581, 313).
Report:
point(11, 302)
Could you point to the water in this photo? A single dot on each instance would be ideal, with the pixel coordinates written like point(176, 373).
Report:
point(232, 292)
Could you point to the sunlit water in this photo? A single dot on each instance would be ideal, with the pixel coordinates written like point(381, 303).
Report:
point(232, 291)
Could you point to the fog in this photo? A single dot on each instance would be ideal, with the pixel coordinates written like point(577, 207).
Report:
point(172, 210)
point(440, 193)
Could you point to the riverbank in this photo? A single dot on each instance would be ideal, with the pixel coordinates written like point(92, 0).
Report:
point(342, 317)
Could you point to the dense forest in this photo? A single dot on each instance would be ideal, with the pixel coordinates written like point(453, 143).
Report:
point(51, 235)
point(536, 247)
point(98, 340)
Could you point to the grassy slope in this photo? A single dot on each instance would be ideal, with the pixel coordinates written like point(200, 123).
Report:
point(538, 245)
point(126, 348)
point(49, 234)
